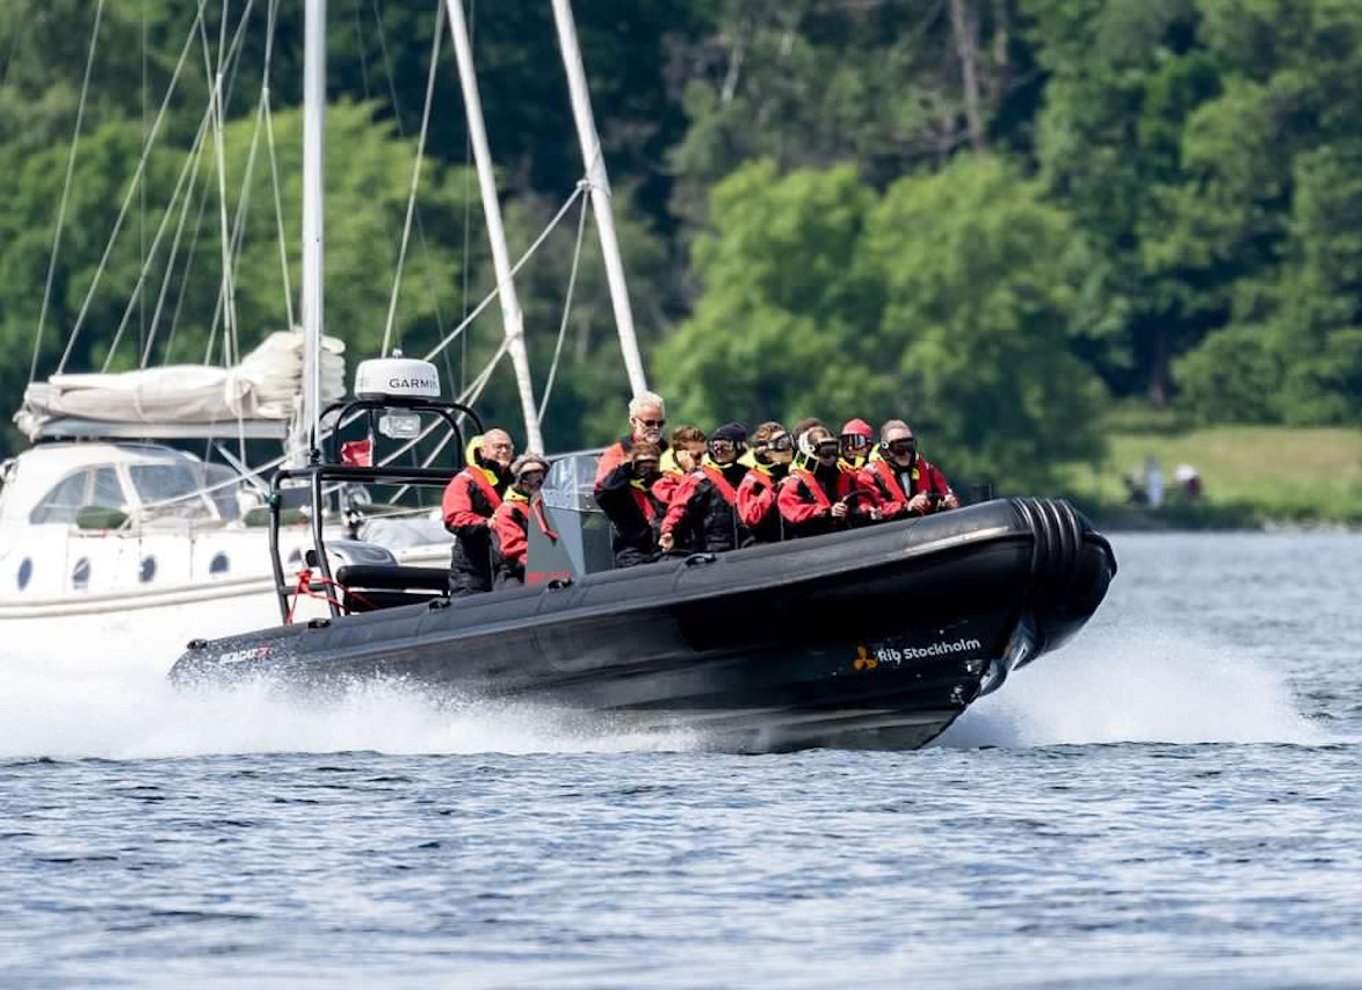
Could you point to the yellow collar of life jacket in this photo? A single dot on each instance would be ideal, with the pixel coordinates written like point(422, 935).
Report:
point(668, 463)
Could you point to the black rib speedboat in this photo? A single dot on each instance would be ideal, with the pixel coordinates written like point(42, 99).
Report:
point(874, 638)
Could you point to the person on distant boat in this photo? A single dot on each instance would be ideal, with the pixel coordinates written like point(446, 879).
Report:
point(706, 504)
point(906, 483)
point(820, 495)
point(626, 497)
point(468, 505)
point(772, 451)
point(683, 456)
point(511, 521)
point(855, 443)
point(647, 416)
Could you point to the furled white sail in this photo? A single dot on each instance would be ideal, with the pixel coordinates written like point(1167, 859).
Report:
point(266, 385)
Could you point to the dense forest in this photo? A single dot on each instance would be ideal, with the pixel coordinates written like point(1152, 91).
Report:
point(993, 216)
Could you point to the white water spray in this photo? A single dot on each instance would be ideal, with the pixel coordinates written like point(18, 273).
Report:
point(115, 703)
point(1128, 683)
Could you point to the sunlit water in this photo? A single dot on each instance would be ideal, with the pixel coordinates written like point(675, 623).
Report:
point(1172, 800)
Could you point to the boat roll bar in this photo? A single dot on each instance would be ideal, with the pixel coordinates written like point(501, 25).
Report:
point(324, 466)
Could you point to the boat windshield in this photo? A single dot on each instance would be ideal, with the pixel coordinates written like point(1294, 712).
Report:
point(173, 490)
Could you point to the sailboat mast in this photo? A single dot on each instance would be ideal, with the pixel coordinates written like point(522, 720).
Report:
point(314, 142)
point(594, 160)
point(512, 319)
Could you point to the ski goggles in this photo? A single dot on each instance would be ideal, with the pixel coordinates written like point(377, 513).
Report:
point(781, 441)
point(719, 447)
point(825, 448)
point(855, 441)
point(901, 448)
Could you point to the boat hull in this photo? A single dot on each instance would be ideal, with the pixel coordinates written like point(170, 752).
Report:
point(875, 638)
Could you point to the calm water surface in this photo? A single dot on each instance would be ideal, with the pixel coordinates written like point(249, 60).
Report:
point(1172, 800)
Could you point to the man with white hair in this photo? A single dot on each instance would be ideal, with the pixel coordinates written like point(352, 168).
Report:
point(647, 416)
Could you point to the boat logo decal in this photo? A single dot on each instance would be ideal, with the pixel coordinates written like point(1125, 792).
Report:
point(873, 656)
point(242, 656)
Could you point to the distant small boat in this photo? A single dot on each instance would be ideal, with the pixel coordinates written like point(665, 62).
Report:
point(873, 638)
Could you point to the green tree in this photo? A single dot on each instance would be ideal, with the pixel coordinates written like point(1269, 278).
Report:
point(886, 86)
point(1123, 76)
point(1275, 162)
point(979, 307)
point(778, 328)
point(949, 301)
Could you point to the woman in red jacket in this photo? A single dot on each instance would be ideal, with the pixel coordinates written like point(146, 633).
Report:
point(511, 521)
point(772, 451)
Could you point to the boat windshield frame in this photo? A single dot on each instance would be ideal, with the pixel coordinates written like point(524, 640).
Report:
point(324, 466)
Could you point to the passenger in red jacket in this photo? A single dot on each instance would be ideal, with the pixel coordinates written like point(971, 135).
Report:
point(625, 496)
point(683, 456)
point(468, 504)
point(820, 495)
point(906, 483)
point(855, 442)
point(772, 451)
point(511, 521)
point(705, 507)
point(647, 416)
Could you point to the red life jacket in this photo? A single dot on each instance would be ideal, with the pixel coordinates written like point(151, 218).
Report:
point(703, 513)
point(805, 506)
point(757, 503)
point(884, 476)
point(510, 536)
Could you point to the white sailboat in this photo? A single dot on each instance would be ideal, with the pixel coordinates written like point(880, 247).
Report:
point(102, 532)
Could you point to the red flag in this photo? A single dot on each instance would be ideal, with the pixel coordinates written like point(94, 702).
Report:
point(358, 453)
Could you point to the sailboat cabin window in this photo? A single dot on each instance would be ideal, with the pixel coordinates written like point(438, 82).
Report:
point(108, 493)
point(61, 504)
point(171, 490)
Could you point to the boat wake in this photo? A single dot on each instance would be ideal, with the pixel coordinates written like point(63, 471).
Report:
point(1112, 685)
point(1122, 683)
point(122, 707)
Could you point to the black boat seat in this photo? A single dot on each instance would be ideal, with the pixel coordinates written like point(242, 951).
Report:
point(393, 577)
point(369, 600)
point(370, 587)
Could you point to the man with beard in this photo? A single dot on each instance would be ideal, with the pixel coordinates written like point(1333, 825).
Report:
point(647, 416)
point(906, 483)
point(626, 497)
point(468, 505)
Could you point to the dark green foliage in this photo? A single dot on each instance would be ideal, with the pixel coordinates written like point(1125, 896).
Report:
point(946, 301)
point(962, 209)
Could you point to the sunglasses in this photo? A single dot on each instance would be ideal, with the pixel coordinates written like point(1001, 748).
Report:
point(652, 424)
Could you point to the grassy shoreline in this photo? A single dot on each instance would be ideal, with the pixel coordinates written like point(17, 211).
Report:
point(1253, 477)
